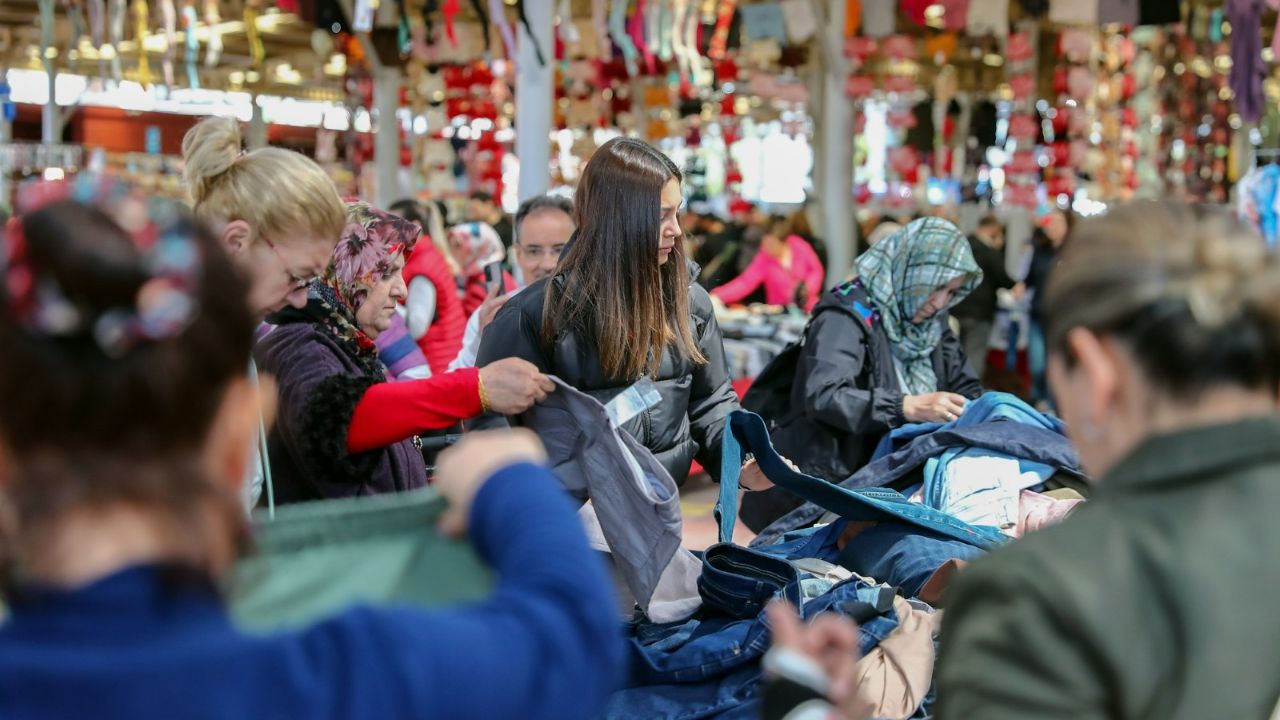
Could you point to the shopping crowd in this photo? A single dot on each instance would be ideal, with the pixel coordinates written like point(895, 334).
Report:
point(1095, 544)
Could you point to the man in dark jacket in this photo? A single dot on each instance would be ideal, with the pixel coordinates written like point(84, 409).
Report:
point(688, 422)
point(977, 312)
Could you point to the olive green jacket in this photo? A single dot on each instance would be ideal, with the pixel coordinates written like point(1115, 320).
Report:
point(1160, 598)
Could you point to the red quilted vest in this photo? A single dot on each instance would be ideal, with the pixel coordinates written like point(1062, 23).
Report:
point(444, 337)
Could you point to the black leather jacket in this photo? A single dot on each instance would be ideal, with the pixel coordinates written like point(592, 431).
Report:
point(696, 399)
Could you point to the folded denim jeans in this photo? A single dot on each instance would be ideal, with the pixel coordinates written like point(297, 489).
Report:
point(740, 582)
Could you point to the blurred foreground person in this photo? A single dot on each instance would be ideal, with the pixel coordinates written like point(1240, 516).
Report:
point(1153, 599)
point(124, 433)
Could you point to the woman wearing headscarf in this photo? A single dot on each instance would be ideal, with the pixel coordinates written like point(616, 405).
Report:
point(877, 354)
point(343, 429)
point(474, 246)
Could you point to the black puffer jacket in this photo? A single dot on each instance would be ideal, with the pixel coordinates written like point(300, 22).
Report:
point(846, 396)
point(696, 399)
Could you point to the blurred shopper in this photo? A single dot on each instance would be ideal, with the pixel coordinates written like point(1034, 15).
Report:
point(1149, 601)
point(485, 209)
point(433, 308)
point(127, 421)
point(977, 313)
point(717, 253)
point(786, 267)
point(544, 227)
point(798, 225)
point(623, 306)
point(476, 246)
point(343, 429)
point(1048, 240)
point(878, 354)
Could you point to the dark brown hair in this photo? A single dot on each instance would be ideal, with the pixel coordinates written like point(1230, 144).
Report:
point(84, 429)
point(610, 285)
point(1192, 293)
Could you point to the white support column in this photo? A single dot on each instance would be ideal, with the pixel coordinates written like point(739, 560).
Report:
point(534, 95)
point(51, 117)
point(835, 184)
point(386, 139)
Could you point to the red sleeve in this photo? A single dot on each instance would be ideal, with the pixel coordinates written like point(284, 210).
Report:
point(393, 411)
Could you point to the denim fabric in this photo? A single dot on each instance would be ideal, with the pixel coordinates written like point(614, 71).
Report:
point(1030, 444)
point(990, 407)
point(746, 432)
point(709, 666)
point(738, 582)
point(902, 555)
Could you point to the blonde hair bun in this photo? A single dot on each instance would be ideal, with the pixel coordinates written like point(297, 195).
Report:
point(208, 151)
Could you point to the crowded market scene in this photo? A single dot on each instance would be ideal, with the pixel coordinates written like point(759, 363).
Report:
point(631, 359)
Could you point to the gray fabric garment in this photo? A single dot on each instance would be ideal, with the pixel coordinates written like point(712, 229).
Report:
point(879, 17)
point(635, 499)
point(676, 595)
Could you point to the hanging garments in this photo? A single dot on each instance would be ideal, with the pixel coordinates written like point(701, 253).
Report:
point(97, 32)
point(169, 14)
point(141, 20)
point(618, 33)
point(116, 13)
point(257, 51)
point(499, 17)
point(189, 22)
point(852, 17)
point(213, 19)
point(1247, 69)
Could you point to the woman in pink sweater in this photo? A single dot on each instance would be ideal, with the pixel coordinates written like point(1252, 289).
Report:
point(786, 265)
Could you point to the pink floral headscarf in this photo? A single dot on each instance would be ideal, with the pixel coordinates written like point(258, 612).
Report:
point(370, 244)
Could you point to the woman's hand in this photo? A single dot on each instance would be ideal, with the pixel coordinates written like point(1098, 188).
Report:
point(514, 385)
point(939, 407)
point(753, 478)
point(830, 642)
point(464, 468)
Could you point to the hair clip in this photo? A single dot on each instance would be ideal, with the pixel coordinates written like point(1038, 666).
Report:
point(164, 305)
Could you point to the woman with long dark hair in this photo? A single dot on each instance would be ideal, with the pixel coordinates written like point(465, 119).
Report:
point(623, 305)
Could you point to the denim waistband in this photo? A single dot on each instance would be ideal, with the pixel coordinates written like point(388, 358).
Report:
point(739, 582)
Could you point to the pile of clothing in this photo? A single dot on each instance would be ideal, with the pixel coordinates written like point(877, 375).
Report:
point(879, 547)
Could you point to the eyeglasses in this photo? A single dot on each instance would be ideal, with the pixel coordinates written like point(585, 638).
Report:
point(536, 252)
point(298, 283)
